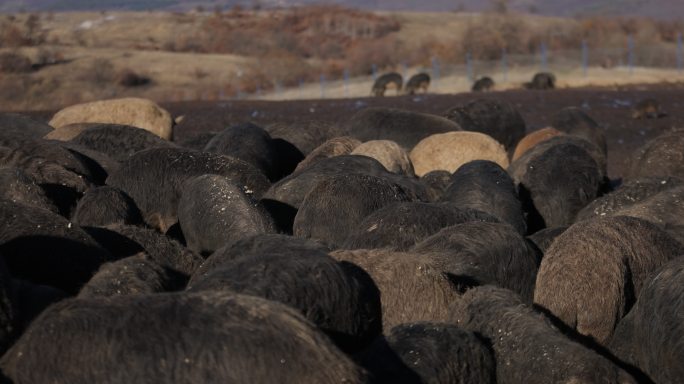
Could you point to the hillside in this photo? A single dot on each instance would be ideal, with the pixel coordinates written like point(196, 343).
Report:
point(660, 9)
point(48, 60)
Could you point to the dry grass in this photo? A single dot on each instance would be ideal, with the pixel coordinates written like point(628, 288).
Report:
point(82, 56)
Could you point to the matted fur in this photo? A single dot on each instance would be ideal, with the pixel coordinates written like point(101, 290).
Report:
point(106, 205)
point(406, 128)
point(411, 288)
point(303, 133)
point(336, 146)
point(527, 348)
point(663, 208)
point(43, 247)
point(154, 178)
point(214, 211)
point(427, 352)
point(23, 150)
point(555, 182)
point(176, 338)
point(252, 144)
point(532, 139)
point(128, 240)
point(136, 112)
point(593, 272)
point(400, 226)
point(662, 156)
point(69, 131)
point(574, 121)
point(335, 207)
point(651, 336)
point(19, 187)
point(436, 182)
point(15, 124)
point(134, 275)
point(543, 239)
point(393, 157)
point(261, 244)
point(10, 310)
point(496, 118)
point(485, 186)
point(119, 142)
point(628, 194)
point(484, 253)
point(342, 302)
point(448, 151)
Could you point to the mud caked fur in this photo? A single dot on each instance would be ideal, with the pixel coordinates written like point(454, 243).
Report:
point(154, 179)
point(527, 347)
point(134, 275)
point(214, 211)
point(430, 353)
point(20, 188)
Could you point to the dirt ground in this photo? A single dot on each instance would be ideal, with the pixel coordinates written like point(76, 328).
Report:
point(609, 107)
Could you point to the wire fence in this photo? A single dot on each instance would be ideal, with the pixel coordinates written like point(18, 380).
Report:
point(585, 65)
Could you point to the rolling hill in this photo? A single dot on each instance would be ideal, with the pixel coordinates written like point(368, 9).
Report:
point(660, 9)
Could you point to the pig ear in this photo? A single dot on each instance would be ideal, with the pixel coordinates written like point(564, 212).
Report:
point(178, 119)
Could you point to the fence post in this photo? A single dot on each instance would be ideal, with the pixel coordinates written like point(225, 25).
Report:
point(435, 71)
point(544, 63)
point(278, 87)
point(504, 65)
point(585, 57)
point(322, 86)
point(469, 67)
point(374, 70)
point(630, 53)
point(346, 83)
point(680, 52)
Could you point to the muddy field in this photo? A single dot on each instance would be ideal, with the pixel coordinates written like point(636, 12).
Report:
point(609, 107)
